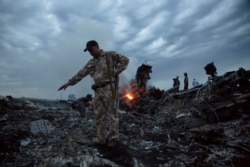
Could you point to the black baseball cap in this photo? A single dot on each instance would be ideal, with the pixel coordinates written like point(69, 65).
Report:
point(89, 44)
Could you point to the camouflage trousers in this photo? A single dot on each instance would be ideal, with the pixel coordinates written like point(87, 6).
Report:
point(106, 117)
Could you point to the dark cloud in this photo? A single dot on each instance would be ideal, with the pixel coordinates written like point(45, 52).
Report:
point(41, 42)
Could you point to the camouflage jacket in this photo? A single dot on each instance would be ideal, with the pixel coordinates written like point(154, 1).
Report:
point(97, 68)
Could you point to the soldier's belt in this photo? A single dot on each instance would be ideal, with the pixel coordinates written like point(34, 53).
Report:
point(101, 85)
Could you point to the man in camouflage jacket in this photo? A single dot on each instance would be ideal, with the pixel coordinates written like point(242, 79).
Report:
point(104, 68)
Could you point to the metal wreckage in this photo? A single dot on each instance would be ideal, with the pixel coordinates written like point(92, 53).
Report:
point(208, 125)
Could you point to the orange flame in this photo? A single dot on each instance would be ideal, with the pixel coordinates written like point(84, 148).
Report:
point(130, 96)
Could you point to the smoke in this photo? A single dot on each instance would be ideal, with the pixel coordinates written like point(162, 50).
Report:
point(129, 74)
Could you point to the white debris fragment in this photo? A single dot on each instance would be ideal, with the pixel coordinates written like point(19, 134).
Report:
point(41, 126)
point(25, 142)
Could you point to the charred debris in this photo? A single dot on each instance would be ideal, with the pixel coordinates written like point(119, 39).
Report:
point(208, 125)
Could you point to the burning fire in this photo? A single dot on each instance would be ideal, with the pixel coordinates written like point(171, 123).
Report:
point(130, 96)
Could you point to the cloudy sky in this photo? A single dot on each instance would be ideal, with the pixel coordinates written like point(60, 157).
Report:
point(42, 41)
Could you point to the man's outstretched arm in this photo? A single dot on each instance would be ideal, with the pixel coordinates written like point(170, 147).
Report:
point(78, 76)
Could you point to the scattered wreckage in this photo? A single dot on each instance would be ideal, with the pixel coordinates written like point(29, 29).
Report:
point(198, 127)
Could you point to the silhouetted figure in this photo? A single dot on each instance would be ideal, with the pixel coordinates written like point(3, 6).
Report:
point(176, 84)
point(185, 81)
point(195, 83)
